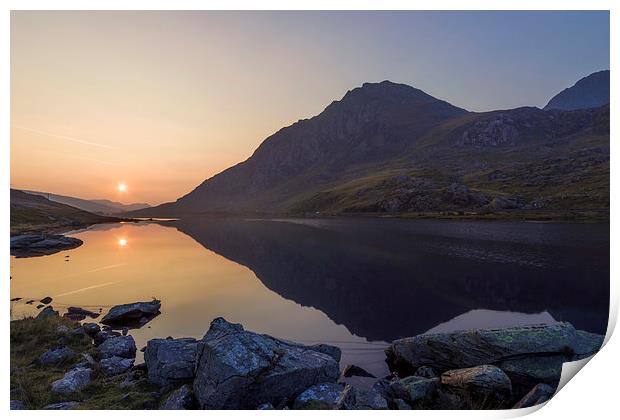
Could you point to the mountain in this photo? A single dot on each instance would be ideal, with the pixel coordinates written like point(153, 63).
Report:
point(391, 148)
point(94, 206)
point(34, 213)
point(590, 92)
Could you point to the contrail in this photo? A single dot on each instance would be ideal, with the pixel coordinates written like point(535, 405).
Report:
point(72, 292)
point(73, 139)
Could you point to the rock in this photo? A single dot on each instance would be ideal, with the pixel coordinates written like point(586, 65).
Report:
point(91, 328)
point(382, 387)
point(242, 369)
point(131, 313)
point(528, 355)
point(63, 329)
point(74, 317)
point(73, 310)
point(37, 245)
point(142, 367)
point(73, 381)
point(115, 365)
point(17, 405)
point(79, 331)
point(426, 372)
point(40, 306)
point(122, 346)
point(353, 370)
point(125, 330)
point(180, 399)
point(487, 384)
point(171, 362)
point(266, 406)
point(46, 313)
point(539, 394)
point(56, 356)
point(46, 300)
point(68, 405)
point(414, 389)
point(327, 349)
point(29, 302)
point(16, 299)
point(586, 344)
point(103, 335)
point(400, 404)
point(327, 396)
point(368, 400)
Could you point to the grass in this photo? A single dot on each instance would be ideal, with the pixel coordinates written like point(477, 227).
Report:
point(31, 337)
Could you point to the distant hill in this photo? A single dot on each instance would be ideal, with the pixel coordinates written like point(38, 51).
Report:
point(391, 148)
point(105, 207)
point(590, 92)
point(33, 213)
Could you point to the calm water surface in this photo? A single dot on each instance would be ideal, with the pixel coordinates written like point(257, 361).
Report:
point(357, 284)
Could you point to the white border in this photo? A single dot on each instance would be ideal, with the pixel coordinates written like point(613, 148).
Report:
point(593, 394)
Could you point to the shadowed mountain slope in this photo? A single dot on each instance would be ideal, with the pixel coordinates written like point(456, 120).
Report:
point(590, 92)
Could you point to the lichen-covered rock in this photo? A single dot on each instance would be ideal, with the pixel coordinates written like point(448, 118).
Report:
point(242, 369)
point(539, 394)
point(56, 356)
point(73, 381)
point(131, 313)
point(67, 405)
point(414, 389)
point(171, 362)
point(180, 399)
point(115, 365)
point(481, 383)
point(327, 396)
point(121, 346)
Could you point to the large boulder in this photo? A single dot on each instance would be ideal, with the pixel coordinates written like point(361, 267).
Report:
point(179, 399)
point(56, 356)
point(527, 354)
point(171, 362)
point(37, 245)
point(121, 346)
point(131, 313)
point(486, 384)
point(414, 389)
point(238, 369)
point(75, 380)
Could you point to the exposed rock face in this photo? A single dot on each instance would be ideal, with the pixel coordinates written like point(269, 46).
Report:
point(121, 346)
point(500, 131)
point(242, 369)
point(589, 92)
point(327, 396)
point(115, 365)
point(171, 362)
point(56, 356)
point(540, 393)
point(67, 405)
point(37, 245)
point(73, 381)
point(486, 383)
point(180, 399)
point(131, 313)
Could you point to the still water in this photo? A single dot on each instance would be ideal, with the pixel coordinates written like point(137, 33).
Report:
point(354, 283)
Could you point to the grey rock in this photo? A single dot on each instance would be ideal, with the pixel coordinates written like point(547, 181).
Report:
point(73, 381)
point(56, 356)
point(382, 387)
point(68, 405)
point(121, 346)
point(180, 399)
point(426, 372)
point(115, 365)
point(91, 328)
point(414, 389)
point(368, 400)
point(131, 312)
point(481, 383)
point(400, 404)
point(538, 394)
point(46, 300)
point(327, 396)
point(37, 245)
point(74, 310)
point(242, 369)
point(586, 344)
point(104, 335)
point(327, 349)
point(63, 329)
point(46, 313)
point(17, 405)
point(266, 406)
point(526, 372)
point(171, 362)
point(354, 370)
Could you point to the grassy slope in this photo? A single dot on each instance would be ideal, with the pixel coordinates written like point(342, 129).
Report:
point(32, 213)
point(31, 337)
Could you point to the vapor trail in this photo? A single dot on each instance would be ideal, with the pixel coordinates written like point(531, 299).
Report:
point(59, 136)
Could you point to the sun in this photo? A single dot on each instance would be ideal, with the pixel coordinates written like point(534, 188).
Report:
point(122, 242)
point(122, 187)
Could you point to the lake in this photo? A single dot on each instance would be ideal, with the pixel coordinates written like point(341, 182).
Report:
point(355, 283)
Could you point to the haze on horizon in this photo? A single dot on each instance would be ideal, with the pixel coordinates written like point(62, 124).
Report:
point(161, 101)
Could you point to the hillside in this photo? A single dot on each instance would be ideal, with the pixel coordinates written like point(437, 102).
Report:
point(33, 213)
point(104, 207)
point(390, 148)
point(590, 92)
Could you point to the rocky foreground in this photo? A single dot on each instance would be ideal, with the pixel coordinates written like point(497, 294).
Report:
point(231, 368)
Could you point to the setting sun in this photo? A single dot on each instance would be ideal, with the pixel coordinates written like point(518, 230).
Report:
point(122, 187)
point(122, 242)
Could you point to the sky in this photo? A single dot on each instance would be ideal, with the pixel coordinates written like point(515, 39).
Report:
point(161, 101)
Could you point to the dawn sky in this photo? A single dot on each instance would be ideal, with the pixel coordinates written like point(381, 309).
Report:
point(161, 101)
